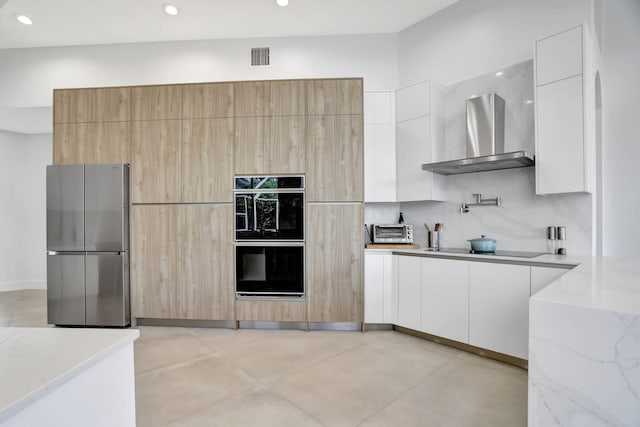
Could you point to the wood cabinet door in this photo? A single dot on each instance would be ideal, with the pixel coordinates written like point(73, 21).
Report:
point(91, 105)
point(77, 143)
point(154, 261)
point(287, 145)
point(287, 98)
point(251, 148)
point(208, 100)
point(335, 96)
point(499, 307)
point(216, 296)
point(334, 245)
point(155, 166)
point(157, 102)
point(335, 158)
point(252, 99)
point(207, 160)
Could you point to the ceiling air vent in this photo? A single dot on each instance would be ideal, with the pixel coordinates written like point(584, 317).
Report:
point(259, 56)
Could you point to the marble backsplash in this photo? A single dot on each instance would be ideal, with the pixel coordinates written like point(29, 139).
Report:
point(521, 222)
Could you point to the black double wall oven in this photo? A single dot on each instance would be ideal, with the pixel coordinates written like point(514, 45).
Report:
point(269, 215)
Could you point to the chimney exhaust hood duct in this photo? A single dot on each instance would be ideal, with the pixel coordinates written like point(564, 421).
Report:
point(485, 141)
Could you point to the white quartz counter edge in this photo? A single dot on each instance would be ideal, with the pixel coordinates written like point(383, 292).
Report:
point(35, 361)
point(601, 283)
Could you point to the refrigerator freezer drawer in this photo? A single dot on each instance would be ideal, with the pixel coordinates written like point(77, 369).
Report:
point(107, 289)
point(65, 289)
point(65, 208)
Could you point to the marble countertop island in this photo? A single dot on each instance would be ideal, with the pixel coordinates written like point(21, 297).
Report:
point(37, 362)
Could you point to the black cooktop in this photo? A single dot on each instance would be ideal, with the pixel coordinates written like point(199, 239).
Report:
point(517, 254)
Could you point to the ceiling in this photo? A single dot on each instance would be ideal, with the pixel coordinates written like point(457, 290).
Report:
point(87, 22)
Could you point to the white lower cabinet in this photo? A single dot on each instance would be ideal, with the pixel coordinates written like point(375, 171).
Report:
point(445, 298)
point(380, 296)
point(409, 278)
point(543, 276)
point(499, 307)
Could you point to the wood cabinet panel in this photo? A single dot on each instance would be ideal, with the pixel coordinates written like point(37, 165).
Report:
point(251, 155)
point(287, 98)
point(287, 145)
point(154, 270)
point(339, 96)
point(216, 294)
point(156, 162)
point(207, 160)
point(91, 105)
point(252, 99)
point(335, 256)
point(208, 100)
point(271, 311)
point(157, 102)
point(76, 143)
point(334, 158)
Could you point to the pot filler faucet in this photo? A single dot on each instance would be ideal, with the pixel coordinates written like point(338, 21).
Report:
point(464, 208)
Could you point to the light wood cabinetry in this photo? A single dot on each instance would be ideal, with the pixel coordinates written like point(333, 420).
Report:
point(182, 262)
point(409, 291)
point(157, 102)
point(154, 266)
point(379, 147)
point(565, 113)
point(380, 291)
point(445, 298)
point(339, 96)
point(106, 142)
point(271, 311)
point(419, 132)
point(335, 158)
point(207, 160)
point(499, 308)
point(91, 105)
point(335, 251)
point(209, 100)
point(156, 170)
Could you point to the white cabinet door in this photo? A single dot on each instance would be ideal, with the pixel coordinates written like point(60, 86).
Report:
point(560, 156)
point(559, 56)
point(445, 298)
point(409, 277)
point(379, 163)
point(377, 287)
point(543, 276)
point(413, 101)
point(413, 148)
point(499, 307)
point(390, 291)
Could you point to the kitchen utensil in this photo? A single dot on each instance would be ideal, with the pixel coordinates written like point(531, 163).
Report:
point(483, 245)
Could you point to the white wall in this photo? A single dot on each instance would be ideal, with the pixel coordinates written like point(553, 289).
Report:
point(22, 210)
point(473, 37)
point(621, 126)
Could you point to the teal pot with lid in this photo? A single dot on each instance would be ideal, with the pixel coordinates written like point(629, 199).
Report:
point(483, 245)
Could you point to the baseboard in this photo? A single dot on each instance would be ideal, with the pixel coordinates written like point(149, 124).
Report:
point(20, 285)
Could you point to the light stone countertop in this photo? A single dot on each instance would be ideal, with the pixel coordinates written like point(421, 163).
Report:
point(35, 361)
point(602, 283)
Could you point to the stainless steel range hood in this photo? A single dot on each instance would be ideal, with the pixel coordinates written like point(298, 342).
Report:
point(485, 141)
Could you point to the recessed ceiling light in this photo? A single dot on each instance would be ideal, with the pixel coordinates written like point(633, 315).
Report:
point(499, 73)
point(24, 19)
point(170, 9)
point(282, 3)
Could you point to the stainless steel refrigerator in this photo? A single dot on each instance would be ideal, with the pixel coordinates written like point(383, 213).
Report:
point(88, 245)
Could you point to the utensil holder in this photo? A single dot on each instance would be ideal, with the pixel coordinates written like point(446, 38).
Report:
point(433, 240)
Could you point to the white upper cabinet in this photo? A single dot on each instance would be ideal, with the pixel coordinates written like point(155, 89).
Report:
point(565, 113)
point(379, 147)
point(559, 56)
point(419, 128)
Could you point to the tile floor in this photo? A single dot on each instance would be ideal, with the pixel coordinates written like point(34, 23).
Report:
point(219, 377)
